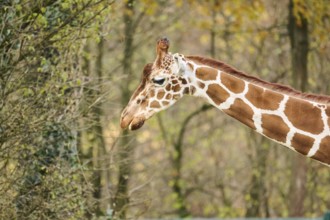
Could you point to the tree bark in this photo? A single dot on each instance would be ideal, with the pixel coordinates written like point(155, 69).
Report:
point(257, 205)
point(98, 138)
point(92, 136)
point(181, 206)
point(214, 5)
point(298, 33)
point(121, 199)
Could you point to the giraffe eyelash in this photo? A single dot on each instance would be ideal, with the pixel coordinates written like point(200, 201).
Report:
point(159, 80)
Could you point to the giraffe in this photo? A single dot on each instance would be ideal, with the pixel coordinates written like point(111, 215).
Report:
point(296, 120)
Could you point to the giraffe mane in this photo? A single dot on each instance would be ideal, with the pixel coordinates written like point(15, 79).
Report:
point(273, 86)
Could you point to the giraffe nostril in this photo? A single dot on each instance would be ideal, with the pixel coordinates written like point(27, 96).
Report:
point(124, 113)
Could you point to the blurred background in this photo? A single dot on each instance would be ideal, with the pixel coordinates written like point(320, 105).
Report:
point(67, 69)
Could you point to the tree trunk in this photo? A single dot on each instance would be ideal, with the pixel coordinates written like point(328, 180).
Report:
point(98, 138)
point(180, 203)
point(214, 5)
point(121, 199)
point(92, 136)
point(298, 32)
point(257, 204)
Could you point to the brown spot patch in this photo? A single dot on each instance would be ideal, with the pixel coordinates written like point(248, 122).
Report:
point(168, 87)
point(183, 81)
point(323, 154)
point(152, 93)
point(155, 104)
point(234, 84)
point(160, 94)
point(165, 103)
point(242, 112)
point(175, 82)
point(168, 96)
point(201, 85)
point(206, 73)
point(217, 93)
point(302, 143)
point(303, 115)
point(186, 90)
point(144, 103)
point(263, 99)
point(176, 88)
point(274, 127)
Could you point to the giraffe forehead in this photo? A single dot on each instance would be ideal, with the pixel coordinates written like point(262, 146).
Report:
point(163, 71)
point(167, 62)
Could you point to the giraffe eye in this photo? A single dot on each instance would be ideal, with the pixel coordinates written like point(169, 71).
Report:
point(158, 81)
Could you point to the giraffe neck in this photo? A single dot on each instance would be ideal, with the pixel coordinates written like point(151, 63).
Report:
point(287, 118)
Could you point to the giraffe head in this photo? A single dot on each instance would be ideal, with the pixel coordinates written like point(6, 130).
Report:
point(163, 83)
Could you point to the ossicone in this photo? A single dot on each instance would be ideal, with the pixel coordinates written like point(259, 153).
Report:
point(162, 47)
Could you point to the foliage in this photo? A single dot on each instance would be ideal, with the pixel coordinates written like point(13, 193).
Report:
point(39, 83)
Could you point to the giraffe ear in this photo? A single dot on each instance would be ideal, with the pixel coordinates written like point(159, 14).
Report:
point(162, 50)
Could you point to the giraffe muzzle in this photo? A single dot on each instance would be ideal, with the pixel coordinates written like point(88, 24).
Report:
point(132, 123)
point(136, 124)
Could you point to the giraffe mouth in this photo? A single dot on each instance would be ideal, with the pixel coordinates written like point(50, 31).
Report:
point(136, 124)
point(132, 123)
